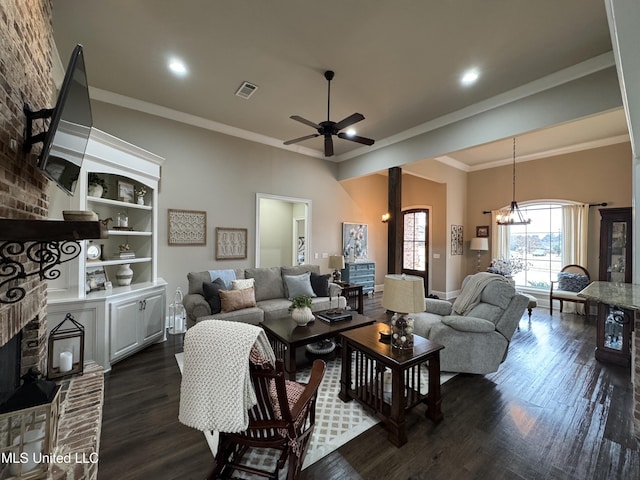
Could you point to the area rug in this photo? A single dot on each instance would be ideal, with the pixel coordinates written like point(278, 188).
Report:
point(336, 422)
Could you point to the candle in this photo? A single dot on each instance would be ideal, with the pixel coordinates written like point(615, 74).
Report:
point(66, 361)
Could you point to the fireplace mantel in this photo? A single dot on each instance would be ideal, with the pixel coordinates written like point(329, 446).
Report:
point(44, 243)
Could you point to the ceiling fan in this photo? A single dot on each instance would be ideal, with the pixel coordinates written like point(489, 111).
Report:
point(328, 128)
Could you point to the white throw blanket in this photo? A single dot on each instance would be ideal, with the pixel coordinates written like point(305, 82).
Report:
point(472, 291)
point(216, 391)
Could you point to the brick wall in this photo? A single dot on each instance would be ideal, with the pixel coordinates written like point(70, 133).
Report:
point(25, 76)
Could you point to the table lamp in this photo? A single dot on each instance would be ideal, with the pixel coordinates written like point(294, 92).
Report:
point(336, 262)
point(480, 245)
point(403, 294)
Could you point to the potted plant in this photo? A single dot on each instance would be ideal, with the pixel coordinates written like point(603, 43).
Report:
point(300, 309)
point(97, 185)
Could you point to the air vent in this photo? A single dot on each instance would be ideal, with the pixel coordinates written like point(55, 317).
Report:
point(246, 90)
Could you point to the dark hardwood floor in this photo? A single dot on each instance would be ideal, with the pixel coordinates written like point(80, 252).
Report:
point(551, 412)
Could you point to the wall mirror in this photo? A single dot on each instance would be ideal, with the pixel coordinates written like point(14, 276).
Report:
point(282, 230)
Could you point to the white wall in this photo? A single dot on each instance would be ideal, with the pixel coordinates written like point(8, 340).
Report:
point(276, 233)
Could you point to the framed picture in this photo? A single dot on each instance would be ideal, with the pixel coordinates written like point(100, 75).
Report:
point(482, 231)
point(96, 279)
point(125, 191)
point(355, 241)
point(457, 240)
point(187, 227)
point(231, 243)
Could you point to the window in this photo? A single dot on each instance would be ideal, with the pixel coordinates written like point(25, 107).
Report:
point(414, 245)
point(540, 244)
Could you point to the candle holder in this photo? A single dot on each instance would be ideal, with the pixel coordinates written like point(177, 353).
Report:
point(66, 349)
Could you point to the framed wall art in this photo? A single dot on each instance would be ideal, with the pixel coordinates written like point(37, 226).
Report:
point(482, 231)
point(187, 227)
point(457, 240)
point(96, 279)
point(125, 191)
point(231, 243)
point(355, 241)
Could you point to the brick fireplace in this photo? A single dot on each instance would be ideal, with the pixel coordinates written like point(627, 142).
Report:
point(26, 76)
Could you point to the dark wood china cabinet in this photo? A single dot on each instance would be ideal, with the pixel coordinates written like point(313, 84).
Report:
point(614, 323)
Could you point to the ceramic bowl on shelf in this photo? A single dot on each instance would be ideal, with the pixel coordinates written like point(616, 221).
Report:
point(79, 216)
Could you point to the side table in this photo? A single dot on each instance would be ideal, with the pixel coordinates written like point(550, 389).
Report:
point(354, 295)
point(369, 358)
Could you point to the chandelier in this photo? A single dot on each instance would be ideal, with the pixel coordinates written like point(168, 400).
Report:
point(513, 216)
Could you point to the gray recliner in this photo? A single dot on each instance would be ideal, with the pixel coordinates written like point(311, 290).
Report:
point(478, 341)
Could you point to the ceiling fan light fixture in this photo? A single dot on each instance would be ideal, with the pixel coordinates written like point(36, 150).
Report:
point(513, 216)
point(328, 128)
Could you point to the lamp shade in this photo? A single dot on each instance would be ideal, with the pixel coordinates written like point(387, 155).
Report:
point(336, 262)
point(403, 293)
point(479, 243)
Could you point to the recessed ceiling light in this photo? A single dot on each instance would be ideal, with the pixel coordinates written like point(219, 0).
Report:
point(469, 77)
point(177, 67)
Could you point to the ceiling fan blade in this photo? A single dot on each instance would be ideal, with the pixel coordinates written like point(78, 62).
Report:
point(300, 139)
point(356, 138)
point(305, 121)
point(328, 146)
point(350, 120)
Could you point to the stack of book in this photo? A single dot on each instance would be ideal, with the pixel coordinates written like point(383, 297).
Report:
point(124, 255)
point(332, 316)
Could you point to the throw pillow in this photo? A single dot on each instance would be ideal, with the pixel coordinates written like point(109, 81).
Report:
point(212, 294)
point(297, 270)
point(243, 283)
point(233, 300)
point(299, 285)
point(572, 282)
point(320, 284)
point(226, 275)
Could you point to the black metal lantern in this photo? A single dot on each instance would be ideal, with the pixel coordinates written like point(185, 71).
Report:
point(66, 349)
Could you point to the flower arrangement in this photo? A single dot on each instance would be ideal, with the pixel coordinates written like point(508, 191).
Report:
point(508, 267)
point(141, 191)
point(300, 301)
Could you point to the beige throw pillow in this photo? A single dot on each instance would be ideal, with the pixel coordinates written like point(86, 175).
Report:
point(242, 283)
point(233, 300)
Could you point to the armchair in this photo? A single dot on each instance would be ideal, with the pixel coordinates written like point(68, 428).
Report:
point(571, 279)
point(476, 341)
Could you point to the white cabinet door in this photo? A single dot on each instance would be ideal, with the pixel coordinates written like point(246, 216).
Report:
point(153, 312)
point(124, 324)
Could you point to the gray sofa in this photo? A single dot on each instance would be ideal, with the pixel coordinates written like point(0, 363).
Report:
point(271, 294)
point(477, 342)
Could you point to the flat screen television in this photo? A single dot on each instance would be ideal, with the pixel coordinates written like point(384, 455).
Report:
point(65, 141)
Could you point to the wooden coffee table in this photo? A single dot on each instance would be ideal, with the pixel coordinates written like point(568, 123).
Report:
point(368, 357)
point(286, 336)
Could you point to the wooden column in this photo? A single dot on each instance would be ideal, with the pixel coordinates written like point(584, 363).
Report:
point(394, 239)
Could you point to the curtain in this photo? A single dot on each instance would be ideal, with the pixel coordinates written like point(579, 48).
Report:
point(499, 238)
point(575, 228)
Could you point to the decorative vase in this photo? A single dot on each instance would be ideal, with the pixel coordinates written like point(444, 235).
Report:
point(510, 279)
point(95, 190)
point(124, 275)
point(140, 200)
point(402, 331)
point(302, 316)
